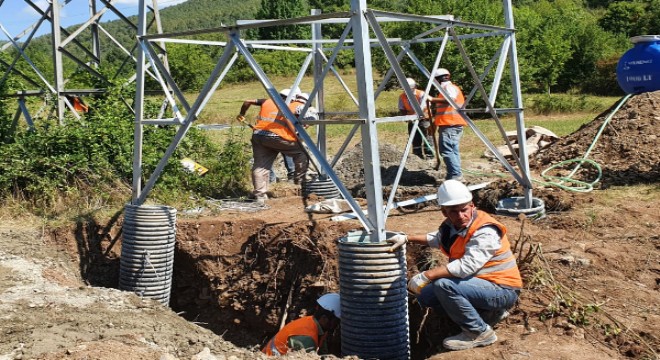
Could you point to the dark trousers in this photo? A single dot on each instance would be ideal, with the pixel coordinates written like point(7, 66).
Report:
point(418, 143)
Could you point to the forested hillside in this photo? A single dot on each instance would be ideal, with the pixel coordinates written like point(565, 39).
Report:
point(563, 45)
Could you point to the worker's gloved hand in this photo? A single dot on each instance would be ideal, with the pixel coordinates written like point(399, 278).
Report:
point(417, 283)
point(397, 241)
point(240, 118)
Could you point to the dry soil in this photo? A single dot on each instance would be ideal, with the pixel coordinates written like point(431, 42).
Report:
point(591, 268)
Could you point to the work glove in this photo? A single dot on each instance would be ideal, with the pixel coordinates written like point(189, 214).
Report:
point(397, 241)
point(240, 118)
point(417, 283)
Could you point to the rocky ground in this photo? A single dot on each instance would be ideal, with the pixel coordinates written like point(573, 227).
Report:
point(591, 268)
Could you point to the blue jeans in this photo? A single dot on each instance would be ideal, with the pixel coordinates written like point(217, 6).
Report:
point(450, 138)
point(468, 302)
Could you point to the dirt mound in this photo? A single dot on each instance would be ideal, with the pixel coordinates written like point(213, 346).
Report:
point(48, 313)
point(554, 199)
point(417, 172)
point(628, 149)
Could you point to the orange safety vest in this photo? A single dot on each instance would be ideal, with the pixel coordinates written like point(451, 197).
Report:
point(501, 269)
point(271, 119)
point(78, 105)
point(419, 95)
point(305, 326)
point(445, 114)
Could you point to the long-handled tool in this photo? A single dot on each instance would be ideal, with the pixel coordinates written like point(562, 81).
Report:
point(433, 129)
point(436, 149)
point(241, 119)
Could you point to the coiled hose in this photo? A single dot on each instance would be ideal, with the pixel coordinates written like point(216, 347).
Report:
point(561, 181)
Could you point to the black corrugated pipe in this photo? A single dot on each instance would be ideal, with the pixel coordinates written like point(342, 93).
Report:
point(374, 299)
point(147, 252)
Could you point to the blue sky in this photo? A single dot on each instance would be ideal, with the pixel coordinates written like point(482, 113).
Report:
point(16, 15)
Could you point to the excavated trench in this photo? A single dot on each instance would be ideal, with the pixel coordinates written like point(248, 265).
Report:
point(243, 279)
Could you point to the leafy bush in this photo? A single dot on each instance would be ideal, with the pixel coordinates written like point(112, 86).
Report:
point(604, 81)
point(93, 157)
point(561, 103)
point(229, 170)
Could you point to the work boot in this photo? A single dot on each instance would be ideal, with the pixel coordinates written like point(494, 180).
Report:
point(468, 340)
point(493, 318)
point(260, 199)
point(458, 178)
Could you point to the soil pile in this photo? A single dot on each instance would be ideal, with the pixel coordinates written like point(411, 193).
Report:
point(417, 172)
point(628, 149)
point(417, 179)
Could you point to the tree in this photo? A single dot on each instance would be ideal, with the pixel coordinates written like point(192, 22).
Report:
point(624, 17)
point(652, 18)
point(191, 65)
point(283, 9)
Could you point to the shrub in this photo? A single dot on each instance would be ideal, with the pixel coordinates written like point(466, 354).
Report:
point(93, 156)
point(560, 103)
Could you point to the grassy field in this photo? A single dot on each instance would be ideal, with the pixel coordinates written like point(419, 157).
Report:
point(226, 102)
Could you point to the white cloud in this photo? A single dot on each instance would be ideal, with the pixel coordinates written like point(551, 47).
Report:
point(42, 4)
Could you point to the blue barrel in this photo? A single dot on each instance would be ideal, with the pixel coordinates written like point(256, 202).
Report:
point(638, 69)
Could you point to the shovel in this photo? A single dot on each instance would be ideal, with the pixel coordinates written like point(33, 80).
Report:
point(433, 129)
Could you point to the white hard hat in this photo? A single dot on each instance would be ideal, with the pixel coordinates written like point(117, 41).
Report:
point(296, 90)
point(331, 302)
point(304, 96)
point(285, 92)
point(441, 71)
point(411, 82)
point(453, 192)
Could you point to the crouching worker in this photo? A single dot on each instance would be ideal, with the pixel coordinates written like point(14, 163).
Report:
point(481, 280)
point(308, 333)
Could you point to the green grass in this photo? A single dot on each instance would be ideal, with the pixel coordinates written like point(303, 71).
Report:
point(568, 114)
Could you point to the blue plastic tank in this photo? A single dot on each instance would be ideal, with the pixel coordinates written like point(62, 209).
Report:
point(638, 69)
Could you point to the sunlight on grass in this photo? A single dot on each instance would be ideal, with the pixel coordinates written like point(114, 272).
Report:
point(225, 104)
point(630, 194)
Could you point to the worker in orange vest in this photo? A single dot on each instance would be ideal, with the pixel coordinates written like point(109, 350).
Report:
point(308, 333)
point(449, 122)
point(78, 104)
point(480, 282)
point(406, 109)
point(274, 134)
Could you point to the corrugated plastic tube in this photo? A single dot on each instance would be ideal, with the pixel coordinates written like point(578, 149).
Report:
point(321, 187)
point(147, 253)
point(374, 299)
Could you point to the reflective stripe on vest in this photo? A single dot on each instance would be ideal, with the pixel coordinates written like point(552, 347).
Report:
point(305, 326)
point(271, 119)
point(446, 115)
point(419, 94)
point(501, 268)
